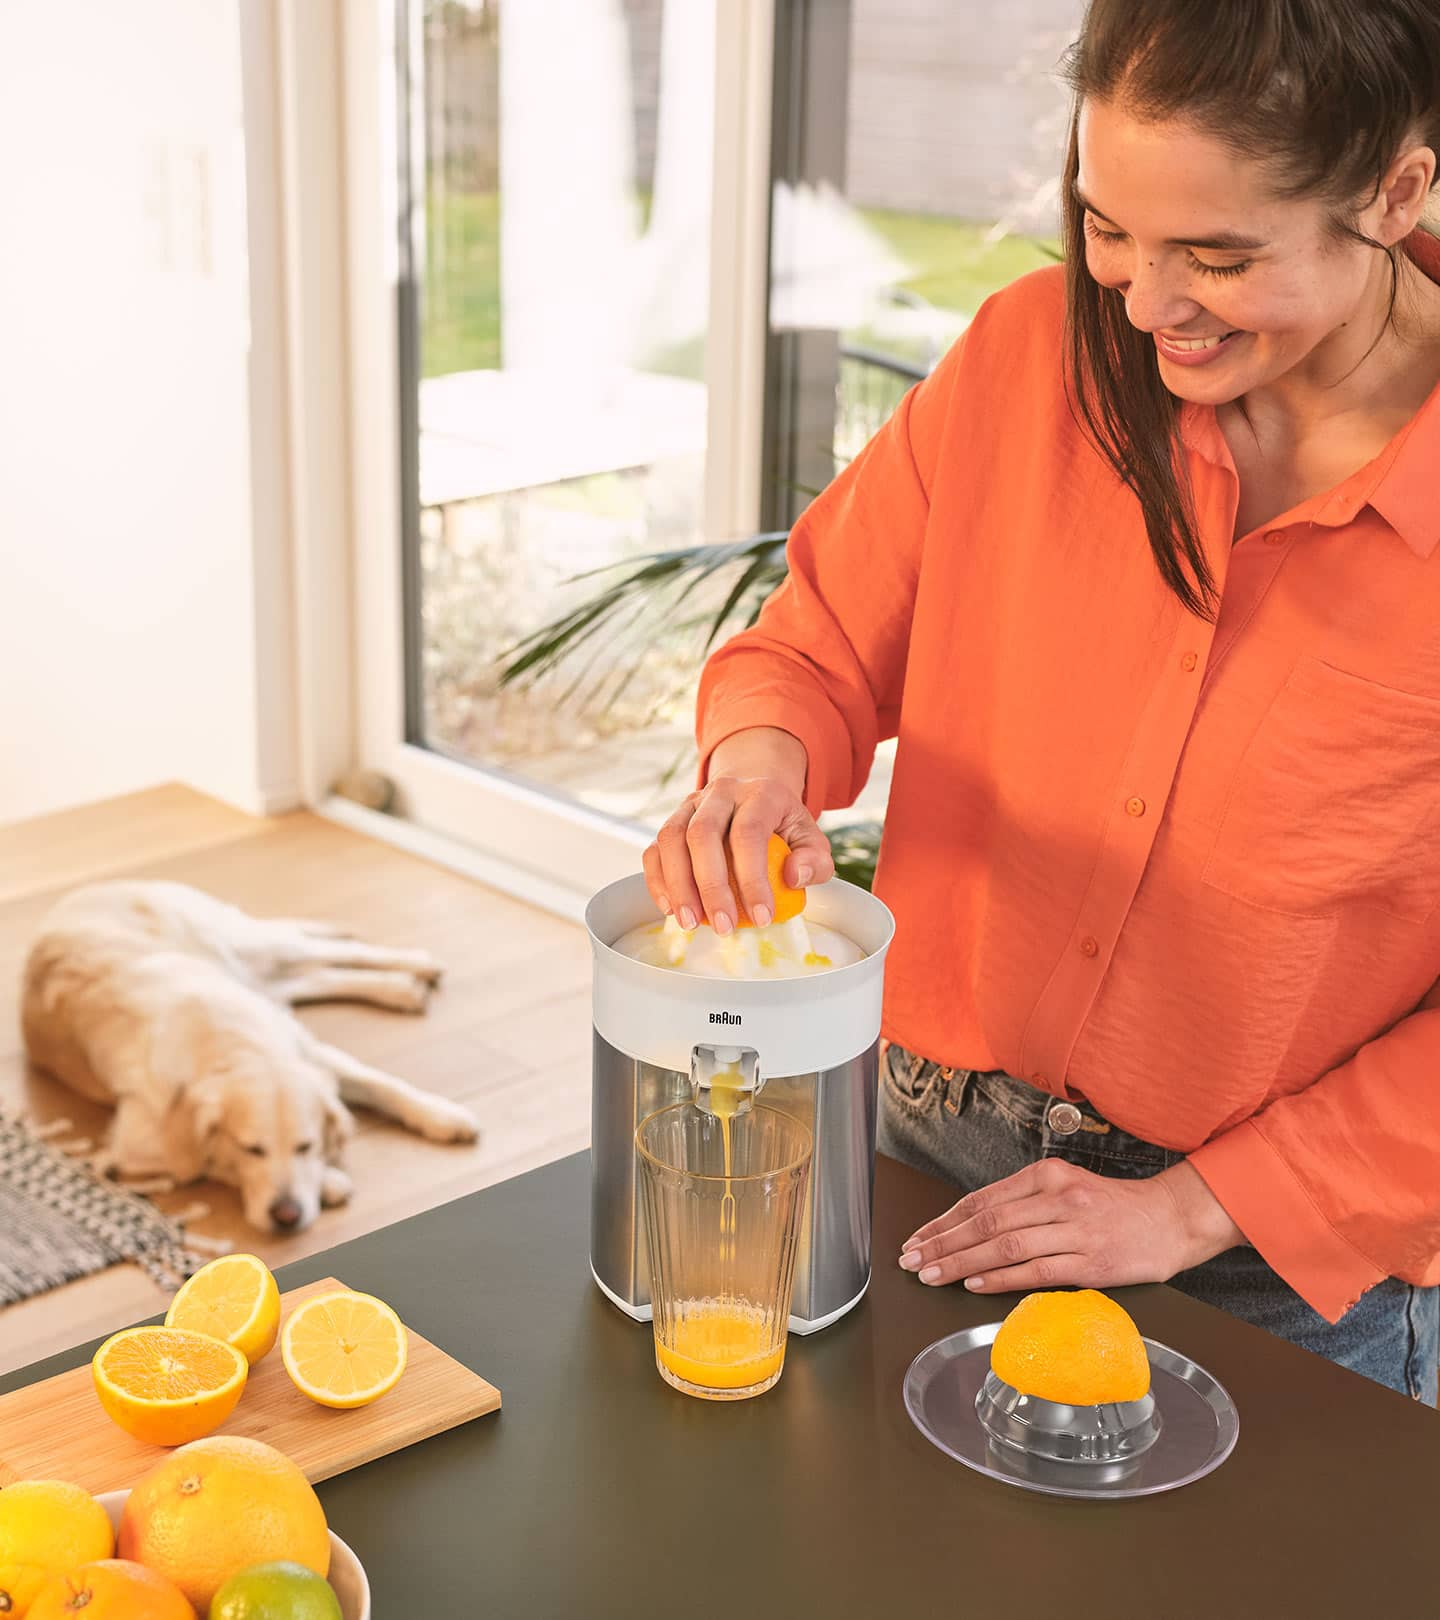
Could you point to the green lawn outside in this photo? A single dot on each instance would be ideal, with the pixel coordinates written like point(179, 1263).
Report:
point(460, 323)
point(952, 266)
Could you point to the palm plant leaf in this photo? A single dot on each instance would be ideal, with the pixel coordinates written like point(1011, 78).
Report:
point(753, 575)
point(855, 848)
point(642, 592)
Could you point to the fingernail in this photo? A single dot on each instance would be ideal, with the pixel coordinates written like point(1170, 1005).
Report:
point(930, 1274)
point(973, 1283)
point(803, 874)
point(910, 1260)
point(722, 922)
point(687, 919)
point(761, 914)
point(665, 904)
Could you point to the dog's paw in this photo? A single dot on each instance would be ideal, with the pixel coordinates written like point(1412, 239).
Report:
point(398, 989)
point(317, 928)
point(335, 1187)
point(427, 968)
point(446, 1121)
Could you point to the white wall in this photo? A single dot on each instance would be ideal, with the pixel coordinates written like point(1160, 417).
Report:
point(128, 583)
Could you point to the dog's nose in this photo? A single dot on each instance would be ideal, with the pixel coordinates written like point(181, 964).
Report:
point(285, 1212)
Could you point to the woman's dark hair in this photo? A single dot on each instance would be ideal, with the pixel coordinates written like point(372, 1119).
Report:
point(1328, 91)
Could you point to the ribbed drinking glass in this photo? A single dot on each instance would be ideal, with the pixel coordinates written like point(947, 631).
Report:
point(723, 1206)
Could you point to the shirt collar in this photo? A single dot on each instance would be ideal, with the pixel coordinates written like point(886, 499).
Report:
point(1399, 484)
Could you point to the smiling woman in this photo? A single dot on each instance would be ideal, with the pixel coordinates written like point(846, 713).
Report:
point(1239, 267)
point(1145, 580)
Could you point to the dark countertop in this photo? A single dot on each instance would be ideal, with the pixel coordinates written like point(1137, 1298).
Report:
point(599, 1491)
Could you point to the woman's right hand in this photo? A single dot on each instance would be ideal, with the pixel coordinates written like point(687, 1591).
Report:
point(686, 870)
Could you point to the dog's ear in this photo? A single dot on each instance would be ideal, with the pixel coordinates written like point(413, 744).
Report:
point(207, 1111)
point(190, 1125)
point(339, 1127)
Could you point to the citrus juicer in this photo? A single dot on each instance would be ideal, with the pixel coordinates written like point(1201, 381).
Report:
point(1183, 1428)
point(810, 1043)
point(1115, 1432)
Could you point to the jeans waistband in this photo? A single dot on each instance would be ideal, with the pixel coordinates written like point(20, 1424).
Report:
point(1075, 1129)
point(1031, 1106)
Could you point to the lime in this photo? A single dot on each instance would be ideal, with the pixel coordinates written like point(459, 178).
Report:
point(279, 1591)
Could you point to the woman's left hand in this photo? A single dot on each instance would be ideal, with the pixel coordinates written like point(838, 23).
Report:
point(1051, 1225)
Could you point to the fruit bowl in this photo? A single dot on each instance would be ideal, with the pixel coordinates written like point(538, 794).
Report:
point(347, 1575)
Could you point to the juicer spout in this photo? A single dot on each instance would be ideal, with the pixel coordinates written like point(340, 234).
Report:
point(724, 1079)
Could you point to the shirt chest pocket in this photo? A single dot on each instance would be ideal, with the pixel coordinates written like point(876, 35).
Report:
point(1336, 801)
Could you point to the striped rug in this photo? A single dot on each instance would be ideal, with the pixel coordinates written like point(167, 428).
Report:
point(60, 1221)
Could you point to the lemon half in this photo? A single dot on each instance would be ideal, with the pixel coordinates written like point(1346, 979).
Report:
point(234, 1298)
point(344, 1349)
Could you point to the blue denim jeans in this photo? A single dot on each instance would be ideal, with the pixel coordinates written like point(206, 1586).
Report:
point(970, 1129)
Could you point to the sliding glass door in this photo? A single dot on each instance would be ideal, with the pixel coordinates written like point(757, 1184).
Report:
point(554, 366)
point(635, 278)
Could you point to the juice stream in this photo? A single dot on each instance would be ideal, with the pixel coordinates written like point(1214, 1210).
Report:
point(725, 1094)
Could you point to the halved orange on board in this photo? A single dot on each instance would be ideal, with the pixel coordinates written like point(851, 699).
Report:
point(167, 1386)
point(788, 902)
point(344, 1349)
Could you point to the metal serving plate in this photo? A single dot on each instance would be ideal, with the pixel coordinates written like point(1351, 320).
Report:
point(1198, 1423)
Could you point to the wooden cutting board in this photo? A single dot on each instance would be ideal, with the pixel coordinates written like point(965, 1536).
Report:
point(57, 1430)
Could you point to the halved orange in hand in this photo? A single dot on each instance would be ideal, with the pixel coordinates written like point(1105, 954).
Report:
point(167, 1386)
point(788, 902)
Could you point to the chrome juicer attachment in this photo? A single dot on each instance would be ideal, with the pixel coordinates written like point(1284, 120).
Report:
point(1112, 1434)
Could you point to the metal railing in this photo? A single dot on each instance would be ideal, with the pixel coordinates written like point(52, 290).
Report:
point(870, 385)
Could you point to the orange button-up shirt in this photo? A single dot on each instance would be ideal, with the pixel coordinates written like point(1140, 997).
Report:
point(1189, 872)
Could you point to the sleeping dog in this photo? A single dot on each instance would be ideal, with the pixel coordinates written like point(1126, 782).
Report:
point(175, 1007)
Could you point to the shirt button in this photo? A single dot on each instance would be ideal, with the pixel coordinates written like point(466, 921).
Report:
point(1276, 537)
point(1064, 1119)
point(1088, 947)
point(1189, 661)
point(1039, 1080)
point(1134, 807)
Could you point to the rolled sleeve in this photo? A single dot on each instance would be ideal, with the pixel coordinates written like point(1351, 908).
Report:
point(788, 706)
point(1262, 1195)
point(1337, 1185)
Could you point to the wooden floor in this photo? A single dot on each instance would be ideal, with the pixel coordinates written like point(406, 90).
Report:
point(508, 1032)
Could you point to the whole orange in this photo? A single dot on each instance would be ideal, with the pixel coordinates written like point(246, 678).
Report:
point(1076, 1347)
point(218, 1505)
point(111, 1589)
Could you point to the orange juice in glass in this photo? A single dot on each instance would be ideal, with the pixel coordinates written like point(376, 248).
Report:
point(723, 1203)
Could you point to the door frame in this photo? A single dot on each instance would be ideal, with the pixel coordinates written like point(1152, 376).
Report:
point(346, 311)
